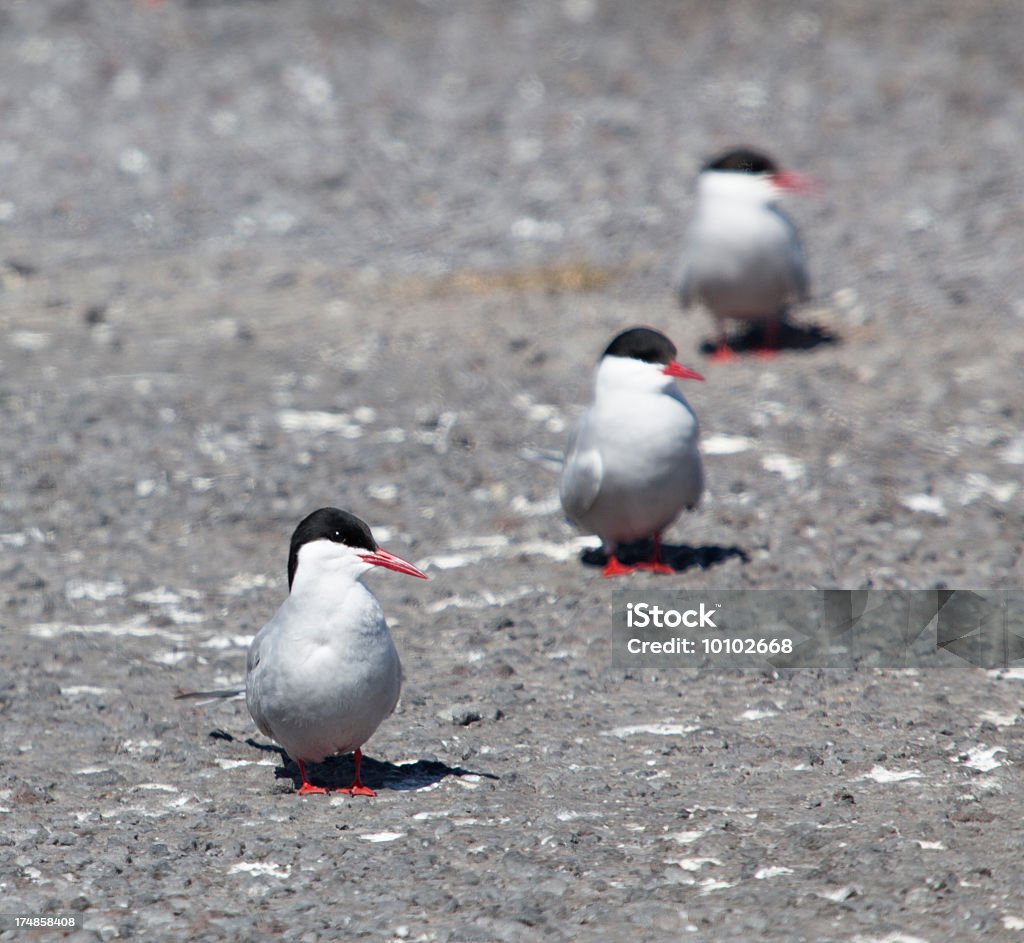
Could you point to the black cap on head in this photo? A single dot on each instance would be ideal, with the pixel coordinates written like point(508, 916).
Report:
point(743, 160)
point(642, 343)
point(329, 524)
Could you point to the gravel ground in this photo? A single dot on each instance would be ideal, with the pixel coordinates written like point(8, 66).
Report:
point(258, 257)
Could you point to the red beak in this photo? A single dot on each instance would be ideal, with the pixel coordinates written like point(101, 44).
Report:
point(796, 182)
point(381, 557)
point(684, 373)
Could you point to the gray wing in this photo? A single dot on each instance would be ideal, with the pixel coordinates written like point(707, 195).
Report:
point(797, 260)
point(682, 281)
point(801, 280)
point(253, 681)
point(252, 658)
point(582, 472)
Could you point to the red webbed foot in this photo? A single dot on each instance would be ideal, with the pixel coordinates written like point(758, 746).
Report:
point(614, 568)
point(769, 347)
point(723, 354)
point(656, 566)
point(307, 788)
point(357, 789)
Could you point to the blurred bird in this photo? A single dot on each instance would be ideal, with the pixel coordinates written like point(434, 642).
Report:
point(632, 463)
point(743, 258)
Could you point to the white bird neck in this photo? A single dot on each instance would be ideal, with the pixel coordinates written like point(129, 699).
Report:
point(331, 609)
point(328, 581)
point(751, 189)
point(319, 586)
point(624, 376)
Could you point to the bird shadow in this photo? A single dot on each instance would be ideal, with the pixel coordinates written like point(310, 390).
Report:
point(680, 557)
point(790, 337)
point(336, 772)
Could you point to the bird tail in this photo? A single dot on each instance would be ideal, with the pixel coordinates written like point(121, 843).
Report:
point(209, 696)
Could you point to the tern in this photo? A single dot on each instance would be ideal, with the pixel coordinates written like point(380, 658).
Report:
point(743, 258)
point(324, 673)
point(632, 464)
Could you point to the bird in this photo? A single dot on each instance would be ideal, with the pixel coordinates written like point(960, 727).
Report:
point(632, 463)
point(743, 258)
point(324, 672)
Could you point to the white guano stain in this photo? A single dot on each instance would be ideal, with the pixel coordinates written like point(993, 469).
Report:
point(791, 469)
point(755, 713)
point(880, 774)
point(658, 729)
point(762, 874)
point(726, 444)
point(318, 422)
point(998, 719)
point(472, 550)
point(261, 869)
point(925, 504)
point(981, 758)
point(134, 628)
